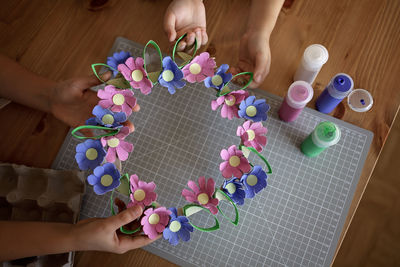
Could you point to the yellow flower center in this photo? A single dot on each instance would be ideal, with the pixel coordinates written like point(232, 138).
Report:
point(252, 180)
point(118, 99)
point(234, 161)
point(154, 218)
point(195, 68)
point(175, 226)
point(202, 198)
point(91, 154)
point(251, 111)
point(231, 187)
point(106, 180)
point(137, 75)
point(108, 119)
point(230, 102)
point(168, 75)
point(139, 195)
point(251, 134)
point(216, 80)
point(113, 142)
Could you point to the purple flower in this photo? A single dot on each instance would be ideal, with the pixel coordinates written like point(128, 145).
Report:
point(254, 181)
point(178, 228)
point(252, 109)
point(234, 189)
point(106, 118)
point(116, 59)
point(89, 154)
point(104, 178)
point(219, 79)
point(171, 76)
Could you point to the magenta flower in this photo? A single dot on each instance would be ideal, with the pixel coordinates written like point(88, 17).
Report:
point(204, 195)
point(117, 145)
point(252, 134)
point(142, 193)
point(201, 67)
point(134, 72)
point(235, 163)
point(117, 100)
point(155, 221)
point(230, 103)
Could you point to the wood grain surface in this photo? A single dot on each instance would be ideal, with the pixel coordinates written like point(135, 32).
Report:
point(60, 39)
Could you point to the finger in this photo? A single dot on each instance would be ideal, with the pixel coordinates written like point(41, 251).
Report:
point(136, 108)
point(125, 217)
point(190, 38)
point(260, 70)
point(181, 45)
point(199, 38)
point(130, 126)
point(128, 242)
point(204, 36)
point(90, 81)
point(169, 26)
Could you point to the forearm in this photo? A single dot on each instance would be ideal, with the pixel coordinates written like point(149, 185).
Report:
point(24, 87)
point(24, 239)
point(263, 16)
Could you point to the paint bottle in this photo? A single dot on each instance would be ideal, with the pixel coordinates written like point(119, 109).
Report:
point(299, 94)
point(326, 134)
point(314, 57)
point(339, 87)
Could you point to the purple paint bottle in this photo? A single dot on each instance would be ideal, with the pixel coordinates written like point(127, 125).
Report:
point(339, 87)
point(299, 94)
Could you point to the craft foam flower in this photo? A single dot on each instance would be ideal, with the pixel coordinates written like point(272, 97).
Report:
point(155, 221)
point(171, 76)
point(106, 118)
point(117, 100)
point(229, 103)
point(134, 72)
point(252, 135)
point(117, 145)
point(202, 194)
point(254, 181)
point(178, 228)
point(142, 193)
point(89, 154)
point(104, 178)
point(234, 189)
point(219, 79)
point(116, 59)
point(201, 67)
point(252, 109)
point(235, 163)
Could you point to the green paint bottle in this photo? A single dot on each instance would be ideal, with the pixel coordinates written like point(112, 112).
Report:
point(326, 134)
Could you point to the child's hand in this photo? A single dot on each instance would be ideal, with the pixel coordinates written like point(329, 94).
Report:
point(72, 101)
point(254, 56)
point(186, 16)
point(101, 233)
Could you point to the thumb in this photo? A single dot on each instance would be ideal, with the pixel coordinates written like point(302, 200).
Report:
point(261, 68)
point(125, 216)
point(169, 26)
point(92, 80)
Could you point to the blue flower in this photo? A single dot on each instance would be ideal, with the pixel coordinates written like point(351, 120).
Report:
point(89, 154)
point(233, 188)
point(219, 79)
point(104, 178)
point(171, 76)
point(116, 59)
point(106, 117)
point(254, 181)
point(178, 227)
point(252, 109)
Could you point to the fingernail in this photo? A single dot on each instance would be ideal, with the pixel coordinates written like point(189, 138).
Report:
point(258, 78)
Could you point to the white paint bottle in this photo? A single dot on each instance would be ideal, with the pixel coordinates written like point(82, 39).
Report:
point(314, 57)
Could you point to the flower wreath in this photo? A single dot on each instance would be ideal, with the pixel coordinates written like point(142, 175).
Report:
point(103, 153)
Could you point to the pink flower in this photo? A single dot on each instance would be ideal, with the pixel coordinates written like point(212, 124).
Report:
point(117, 145)
point(252, 134)
point(230, 103)
point(134, 72)
point(201, 67)
point(155, 221)
point(116, 99)
point(203, 195)
point(235, 163)
point(142, 193)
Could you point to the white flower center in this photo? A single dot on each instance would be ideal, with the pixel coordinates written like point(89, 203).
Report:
point(137, 75)
point(202, 198)
point(252, 180)
point(106, 180)
point(139, 195)
point(168, 75)
point(251, 111)
point(230, 102)
point(108, 119)
point(251, 135)
point(231, 187)
point(113, 142)
point(175, 226)
point(154, 218)
point(118, 99)
point(195, 68)
point(216, 80)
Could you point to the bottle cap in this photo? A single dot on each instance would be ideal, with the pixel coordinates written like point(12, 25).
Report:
point(360, 100)
point(299, 94)
point(326, 134)
point(340, 85)
point(315, 56)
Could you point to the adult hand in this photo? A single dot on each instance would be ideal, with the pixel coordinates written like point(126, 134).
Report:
point(254, 56)
point(186, 16)
point(102, 234)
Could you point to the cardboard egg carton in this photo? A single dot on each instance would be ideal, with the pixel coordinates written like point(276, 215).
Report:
point(33, 194)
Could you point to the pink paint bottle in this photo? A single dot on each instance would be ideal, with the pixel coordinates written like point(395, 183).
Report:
point(299, 94)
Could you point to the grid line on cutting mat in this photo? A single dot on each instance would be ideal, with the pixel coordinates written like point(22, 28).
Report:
point(295, 221)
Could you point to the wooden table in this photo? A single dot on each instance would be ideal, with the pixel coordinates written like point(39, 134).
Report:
point(60, 39)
